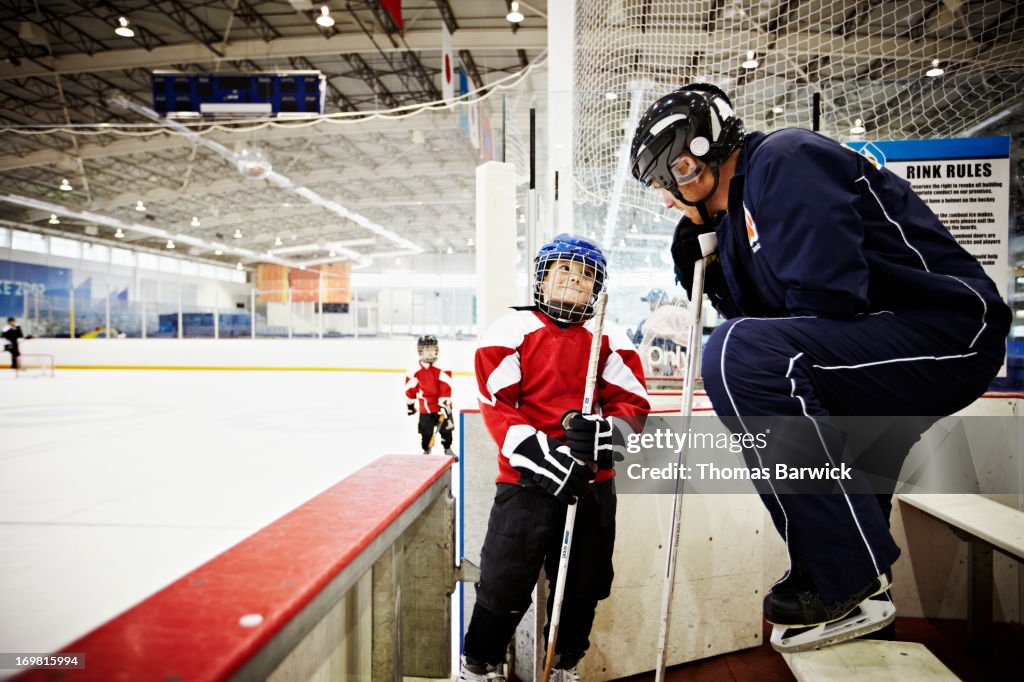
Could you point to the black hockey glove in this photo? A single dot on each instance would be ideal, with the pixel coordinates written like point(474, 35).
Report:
point(548, 463)
point(686, 248)
point(447, 423)
point(410, 409)
point(591, 438)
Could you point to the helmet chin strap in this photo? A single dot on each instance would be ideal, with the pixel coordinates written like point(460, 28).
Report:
point(701, 204)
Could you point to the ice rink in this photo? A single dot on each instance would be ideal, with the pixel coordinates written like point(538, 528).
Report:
point(115, 483)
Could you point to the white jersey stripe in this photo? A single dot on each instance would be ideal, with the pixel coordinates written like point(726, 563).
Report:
point(507, 373)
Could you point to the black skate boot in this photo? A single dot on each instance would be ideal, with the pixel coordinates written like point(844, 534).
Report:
point(803, 621)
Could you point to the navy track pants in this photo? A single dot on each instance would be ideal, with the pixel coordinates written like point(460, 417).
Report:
point(917, 366)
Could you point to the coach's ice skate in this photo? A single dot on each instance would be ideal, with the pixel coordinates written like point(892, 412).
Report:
point(471, 671)
point(803, 622)
point(449, 452)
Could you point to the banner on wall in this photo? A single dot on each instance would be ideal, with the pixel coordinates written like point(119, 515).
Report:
point(966, 182)
point(20, 283)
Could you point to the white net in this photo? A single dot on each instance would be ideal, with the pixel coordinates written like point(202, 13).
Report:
point(868, 61)
point(30, 365)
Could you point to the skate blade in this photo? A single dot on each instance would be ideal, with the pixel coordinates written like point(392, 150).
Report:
point(869, 616)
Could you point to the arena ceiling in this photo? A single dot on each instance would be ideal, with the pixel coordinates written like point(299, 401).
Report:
point(411, 179)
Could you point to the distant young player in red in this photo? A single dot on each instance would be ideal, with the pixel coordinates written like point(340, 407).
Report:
point(428, 390)
point(531, 371)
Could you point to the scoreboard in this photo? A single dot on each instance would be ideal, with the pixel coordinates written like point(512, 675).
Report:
point(179, 94)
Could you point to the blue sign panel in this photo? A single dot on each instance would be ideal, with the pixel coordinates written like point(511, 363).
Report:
point(18, 280)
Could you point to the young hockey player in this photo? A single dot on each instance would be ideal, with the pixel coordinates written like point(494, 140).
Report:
point(847, 297)
point(429, 388)
point(531, 370)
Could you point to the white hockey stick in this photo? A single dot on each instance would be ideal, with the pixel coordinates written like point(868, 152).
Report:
point(708, 245)
point(570, 512)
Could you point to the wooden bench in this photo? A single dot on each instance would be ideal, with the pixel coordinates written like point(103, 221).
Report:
point(873, 660)
point(986, 526)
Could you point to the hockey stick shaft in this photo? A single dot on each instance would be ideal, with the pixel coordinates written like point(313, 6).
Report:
point(692, 366)
point(570, 512)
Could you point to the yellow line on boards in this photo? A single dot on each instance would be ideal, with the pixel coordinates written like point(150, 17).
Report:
point(247, 369)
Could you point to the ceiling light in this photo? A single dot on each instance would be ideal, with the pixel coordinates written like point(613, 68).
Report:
point(936, 70)
point(751, 63)
point(119, 234)
point(170, 243)
point(622, 242)
point(195, 222)
point(65, 185)
point(139, 206)
point(278, 242)
point(123, 30)
point(514, 15)
point(470, 242)
point(237, 234)
point(632, 228)
point(593, 235)
point(450, 250)
point(332, 254)
point(778, 110)
point(54, 220)
point(610, 95)
point(522, 218)
point(218, 252)
point(238, 267)
point(858, 127)
point(325, 18)
point(270, 253)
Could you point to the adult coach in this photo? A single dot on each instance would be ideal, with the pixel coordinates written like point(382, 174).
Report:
point(845, 296)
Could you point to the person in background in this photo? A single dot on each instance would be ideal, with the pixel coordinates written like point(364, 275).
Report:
point(11, 334)
point(428, 390)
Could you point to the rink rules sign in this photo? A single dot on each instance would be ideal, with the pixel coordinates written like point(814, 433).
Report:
point(966, 182)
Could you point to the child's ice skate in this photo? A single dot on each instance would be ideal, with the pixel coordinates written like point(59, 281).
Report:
point(803, 622)
point(471, 671)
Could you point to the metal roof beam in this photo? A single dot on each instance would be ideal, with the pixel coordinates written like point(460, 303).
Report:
point(340, 43)
point(425, 122)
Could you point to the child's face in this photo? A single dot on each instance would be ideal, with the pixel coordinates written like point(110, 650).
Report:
point(569, 283)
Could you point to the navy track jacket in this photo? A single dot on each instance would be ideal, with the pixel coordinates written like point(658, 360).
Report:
point(814, 228)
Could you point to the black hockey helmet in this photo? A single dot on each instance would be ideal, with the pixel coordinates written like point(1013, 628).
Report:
point(427, 347)
point(696, 120)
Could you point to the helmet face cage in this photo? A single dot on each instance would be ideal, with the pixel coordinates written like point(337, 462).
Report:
point(697, 121)
point(427, 348)
point(569, 274)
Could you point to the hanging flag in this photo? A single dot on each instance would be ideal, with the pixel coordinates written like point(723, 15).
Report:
point(447, 65)
point(394, 8)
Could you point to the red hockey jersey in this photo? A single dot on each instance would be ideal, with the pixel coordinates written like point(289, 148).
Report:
point(530, 371)
point(426, 385)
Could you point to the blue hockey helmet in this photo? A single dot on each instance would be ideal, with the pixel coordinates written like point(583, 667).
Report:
point(573, 301)
point(655, 294)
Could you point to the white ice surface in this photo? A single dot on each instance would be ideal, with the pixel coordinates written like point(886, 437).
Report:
point(113, 484)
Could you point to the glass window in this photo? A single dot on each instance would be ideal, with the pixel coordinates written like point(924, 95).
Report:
point(68, 248)
point(169, 264)
point(122, 257)
point(148, 261)
point(96, 252)
point(189, 267)
point(28, 241)
point(5, 237)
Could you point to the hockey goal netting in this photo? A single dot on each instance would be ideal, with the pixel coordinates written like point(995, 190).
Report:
point(35, 365)
point(866, 61)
